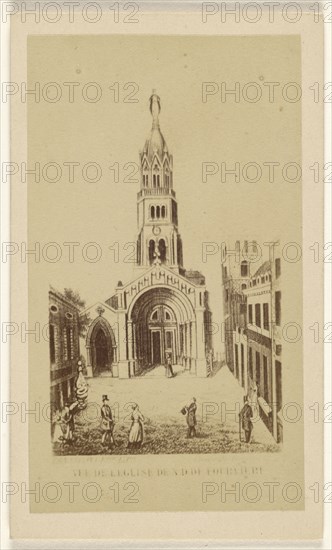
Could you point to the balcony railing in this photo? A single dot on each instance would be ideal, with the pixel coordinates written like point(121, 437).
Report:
point(155, 191)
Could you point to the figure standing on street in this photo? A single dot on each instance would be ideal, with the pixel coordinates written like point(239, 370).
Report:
point(169, 366)
point(136, 433)
point(245, 416)
point(191, 417)
point(68, 418)
point(107, 423)
point(57, 427)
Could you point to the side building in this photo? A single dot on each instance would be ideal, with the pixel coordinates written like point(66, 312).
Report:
point(252, 334)
point(64, 347)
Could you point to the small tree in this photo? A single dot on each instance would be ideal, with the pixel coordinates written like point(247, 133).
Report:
point(83, 320)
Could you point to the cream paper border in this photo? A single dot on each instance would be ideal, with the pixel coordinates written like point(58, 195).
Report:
point(180, 525)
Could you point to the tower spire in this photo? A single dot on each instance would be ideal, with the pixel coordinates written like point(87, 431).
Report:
point(159, 241)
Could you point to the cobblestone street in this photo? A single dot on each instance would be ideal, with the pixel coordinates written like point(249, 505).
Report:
point(160, 399)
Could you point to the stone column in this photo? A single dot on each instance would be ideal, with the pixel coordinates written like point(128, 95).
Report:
point(130, 344)
point(194, 347)
point(122, 348)
point(201, 369)
point(185, 334)
point(89, 370)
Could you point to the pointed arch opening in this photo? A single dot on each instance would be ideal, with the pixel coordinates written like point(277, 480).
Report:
point(101, 346)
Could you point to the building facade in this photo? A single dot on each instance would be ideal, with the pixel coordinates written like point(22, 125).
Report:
point(64, 347)
point(164, 310)
point(252, 334)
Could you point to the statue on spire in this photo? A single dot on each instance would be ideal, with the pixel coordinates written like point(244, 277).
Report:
point(155, 108)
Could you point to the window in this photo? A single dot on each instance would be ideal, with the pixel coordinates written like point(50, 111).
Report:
point(69, 343)
point(54, 309)
point(244, 286)
point(266, 316)
point(278, 307)
point(251, 366)
point(158, 180)
point(158, 212)
point(154, 180)
point(168, 339)
point(236, 361)
point(162, 250)
point(242, 309)
point(244, 269)
point(152, 212)
point(151, 251)
point(163, 211)
point(242, 365)
point(278, 267)
point(258, 315)
point(258, 371)
point(52, 343)
point(250, 313)
point(69, 315)
point(266, 379)
point(278, 385)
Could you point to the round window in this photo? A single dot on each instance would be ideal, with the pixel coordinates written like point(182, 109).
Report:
point(54, 309)
point(69, 315)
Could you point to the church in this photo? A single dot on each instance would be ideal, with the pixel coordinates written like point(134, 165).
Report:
point(164, 310)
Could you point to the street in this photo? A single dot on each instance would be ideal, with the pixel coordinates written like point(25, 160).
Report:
point(160, 399)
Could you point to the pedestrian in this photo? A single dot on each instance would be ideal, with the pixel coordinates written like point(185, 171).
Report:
point(191, 418)
point(169, 366)
point(246, 415)
point(107, 423)
point(136, 432)
point(57, 427)
point(69, 422)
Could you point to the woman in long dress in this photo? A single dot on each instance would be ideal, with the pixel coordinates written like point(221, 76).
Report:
point(136, 433)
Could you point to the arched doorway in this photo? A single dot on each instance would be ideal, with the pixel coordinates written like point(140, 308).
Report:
point(162, 320)
point(163, 328)
point(101, 351)
point(101, 347)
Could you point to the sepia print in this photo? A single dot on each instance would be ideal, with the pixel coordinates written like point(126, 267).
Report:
point(158, 328)
point(167, 238)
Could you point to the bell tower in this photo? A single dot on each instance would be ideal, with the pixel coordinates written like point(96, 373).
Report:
point(159, 241)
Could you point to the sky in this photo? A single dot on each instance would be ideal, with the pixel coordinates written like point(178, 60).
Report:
point(112, 130)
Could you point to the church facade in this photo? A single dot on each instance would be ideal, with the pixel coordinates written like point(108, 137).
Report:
point(164, 310)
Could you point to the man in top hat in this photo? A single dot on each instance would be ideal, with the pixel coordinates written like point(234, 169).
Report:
point(107, 422)
point(246, 415)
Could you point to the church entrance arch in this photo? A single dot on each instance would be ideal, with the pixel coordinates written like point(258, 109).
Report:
point(101, 347)
point(163, 322)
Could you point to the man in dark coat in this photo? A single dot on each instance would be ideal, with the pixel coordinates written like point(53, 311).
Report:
point(191, 418)
point(107, 423)
point(246, 415)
